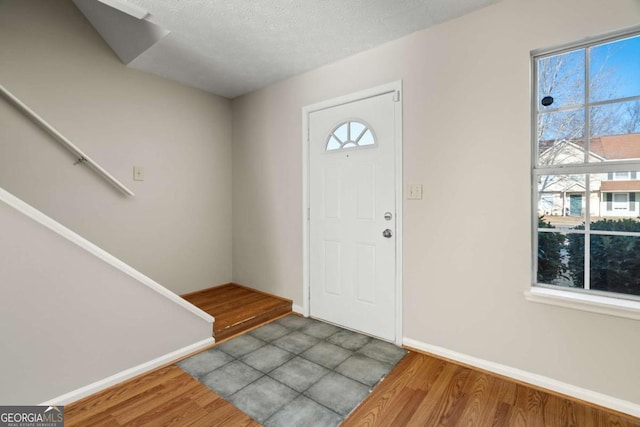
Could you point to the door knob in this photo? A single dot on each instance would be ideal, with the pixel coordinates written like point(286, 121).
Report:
point(387, 233)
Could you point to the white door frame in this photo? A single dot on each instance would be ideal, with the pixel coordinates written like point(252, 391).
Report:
point(306, 111)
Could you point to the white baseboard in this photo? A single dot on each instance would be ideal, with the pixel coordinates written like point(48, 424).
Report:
point(297, 309)
point(529, 378)
point(97, 386)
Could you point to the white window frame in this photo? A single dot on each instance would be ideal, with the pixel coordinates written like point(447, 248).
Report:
point(621, 305)
point(622, 176)
point(618, 205)
point(355, 143)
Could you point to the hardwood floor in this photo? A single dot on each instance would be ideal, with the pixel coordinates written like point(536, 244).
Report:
point(237, 308)
point(427, 391)
point(168, 396)
point(420, 391)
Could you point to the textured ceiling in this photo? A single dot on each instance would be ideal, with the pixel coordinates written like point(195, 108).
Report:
point(232, 47)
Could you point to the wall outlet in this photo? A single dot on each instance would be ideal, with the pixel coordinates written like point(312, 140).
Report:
point(415, 192)
point(138, 173)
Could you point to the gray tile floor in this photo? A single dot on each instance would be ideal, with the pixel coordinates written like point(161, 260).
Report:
point(295, 371)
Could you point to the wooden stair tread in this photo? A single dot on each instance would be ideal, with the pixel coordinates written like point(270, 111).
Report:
point(237, 308)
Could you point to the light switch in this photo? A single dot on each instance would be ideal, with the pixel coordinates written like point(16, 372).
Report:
point(138, 173)
point(415, 192)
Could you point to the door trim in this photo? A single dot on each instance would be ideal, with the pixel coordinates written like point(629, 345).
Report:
point(306, 111)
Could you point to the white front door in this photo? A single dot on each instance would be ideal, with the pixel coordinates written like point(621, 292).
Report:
point(352, 225)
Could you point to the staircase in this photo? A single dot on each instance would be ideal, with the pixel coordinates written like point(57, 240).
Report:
point(237, 308)
point(74, 319)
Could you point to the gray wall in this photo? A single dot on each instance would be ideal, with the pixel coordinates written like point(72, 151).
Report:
point(177, 229)
point(68, 319)
point(467, 140)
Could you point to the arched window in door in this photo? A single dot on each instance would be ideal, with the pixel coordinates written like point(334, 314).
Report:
point(350, 134)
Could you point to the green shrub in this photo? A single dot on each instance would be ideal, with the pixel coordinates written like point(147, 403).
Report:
point(549, 254)
point(614, 260)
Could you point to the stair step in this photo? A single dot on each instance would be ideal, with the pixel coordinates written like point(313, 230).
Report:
point(237, 308)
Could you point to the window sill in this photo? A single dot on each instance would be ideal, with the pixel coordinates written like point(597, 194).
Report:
point(592, 303)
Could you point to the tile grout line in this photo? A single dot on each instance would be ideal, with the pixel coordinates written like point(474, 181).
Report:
point(319, 340)
point(330, 370)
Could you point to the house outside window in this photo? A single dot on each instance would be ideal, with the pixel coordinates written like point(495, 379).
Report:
point(586, 167)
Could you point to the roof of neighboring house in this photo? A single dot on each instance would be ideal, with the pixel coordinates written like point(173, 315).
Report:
point(620, 186)
point(609, 147)
point(617, 147)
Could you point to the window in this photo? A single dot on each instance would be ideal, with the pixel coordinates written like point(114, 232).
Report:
point(621, 175)
point(350, 134)
point(621, 201)
point(586, 120)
